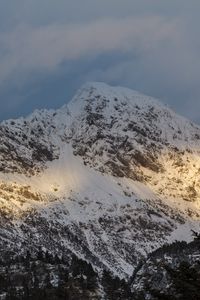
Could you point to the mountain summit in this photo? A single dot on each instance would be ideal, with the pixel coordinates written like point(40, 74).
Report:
point(110, 177)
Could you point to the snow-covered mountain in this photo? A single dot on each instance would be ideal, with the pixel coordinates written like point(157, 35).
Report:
point(111, 176)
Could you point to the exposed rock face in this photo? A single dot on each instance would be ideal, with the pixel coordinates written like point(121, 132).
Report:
point(111, 177)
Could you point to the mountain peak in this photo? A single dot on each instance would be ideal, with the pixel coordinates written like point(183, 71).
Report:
point(113, 92)
point(125, 133)
point(112, 161)
point(115, 102)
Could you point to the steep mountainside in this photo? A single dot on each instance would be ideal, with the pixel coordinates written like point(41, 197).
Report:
point(110, 177)
point(172, 272)
point(169, 273)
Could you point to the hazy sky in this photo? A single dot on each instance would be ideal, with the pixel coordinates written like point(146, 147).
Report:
point(48, 48)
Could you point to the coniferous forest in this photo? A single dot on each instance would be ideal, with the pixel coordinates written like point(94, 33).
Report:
point(171, 272)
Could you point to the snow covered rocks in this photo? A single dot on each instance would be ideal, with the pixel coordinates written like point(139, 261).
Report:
point(110, 177)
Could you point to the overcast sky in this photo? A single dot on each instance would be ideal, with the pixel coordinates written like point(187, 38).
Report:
point(49, 48)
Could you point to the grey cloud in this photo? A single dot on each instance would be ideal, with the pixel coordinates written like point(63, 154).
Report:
point(148, 45)
point(43, 12)
point(29, 49)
